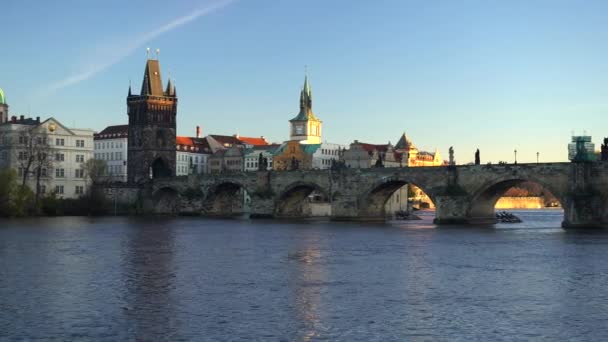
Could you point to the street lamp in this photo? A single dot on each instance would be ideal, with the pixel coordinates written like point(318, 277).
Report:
point(515, 151)
point(537, 154)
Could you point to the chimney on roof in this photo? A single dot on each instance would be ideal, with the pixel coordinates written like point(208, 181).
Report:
point(38, 119)
point(198, 131)
point(21, 117)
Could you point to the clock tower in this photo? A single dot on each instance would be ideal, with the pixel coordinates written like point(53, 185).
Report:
point(305, 127)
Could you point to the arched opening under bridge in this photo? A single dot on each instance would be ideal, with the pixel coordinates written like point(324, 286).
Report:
point(512, 194)
point(396, 199)
point(303, 200)
point(227, 199)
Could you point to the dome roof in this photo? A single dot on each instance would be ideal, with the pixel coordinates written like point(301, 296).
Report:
point(2, 98)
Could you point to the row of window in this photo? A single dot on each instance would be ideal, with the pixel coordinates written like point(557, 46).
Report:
point(109, 156)
point(24, 140)
point(255, 164)
point(115, 170)
point(329, 152)
point(187, 158)
point(59, 189)
point(59, 172)
point(107, 144)
point(59, 157)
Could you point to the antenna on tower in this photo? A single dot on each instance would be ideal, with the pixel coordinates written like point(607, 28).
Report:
point(148, 53)
point(157, 53)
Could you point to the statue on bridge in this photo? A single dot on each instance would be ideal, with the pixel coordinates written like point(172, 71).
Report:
point(477, 160)
point(604, 155)
point(295, 164)
point(451, 150)
point(379, 162)
point(262, 163)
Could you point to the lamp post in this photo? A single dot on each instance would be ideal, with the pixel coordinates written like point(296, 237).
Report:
point(515, 151)
point(537, 154)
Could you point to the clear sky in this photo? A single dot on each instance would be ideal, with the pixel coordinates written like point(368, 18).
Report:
point(493, 75)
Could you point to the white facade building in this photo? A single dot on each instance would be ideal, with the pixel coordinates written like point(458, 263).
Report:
point(65, 150)
point(111, 146)
point(192, 156)
point(323, 156)
point(252, 156)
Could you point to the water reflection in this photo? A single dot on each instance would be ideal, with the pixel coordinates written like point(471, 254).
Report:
point(306, 280)
point(148, 278)
point(117, 279)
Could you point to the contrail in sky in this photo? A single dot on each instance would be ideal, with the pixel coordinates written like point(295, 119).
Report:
point(134, 44)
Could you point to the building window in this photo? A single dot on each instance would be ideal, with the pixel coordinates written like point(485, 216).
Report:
point(42, 189)
point(60, 142)
point(79, 173)
point(22, 139)
point(43, 172)
point(22, 155)
point(59, 157)
point(59, 189)
point(79, 190)
point(59, 173)
point(80, 158)
point(79, 143)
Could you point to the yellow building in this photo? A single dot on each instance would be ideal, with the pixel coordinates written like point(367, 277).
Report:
point(293, 155)
point(305, 127)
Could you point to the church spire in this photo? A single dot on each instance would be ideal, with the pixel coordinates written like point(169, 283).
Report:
point(170, 88)
point(306, 98)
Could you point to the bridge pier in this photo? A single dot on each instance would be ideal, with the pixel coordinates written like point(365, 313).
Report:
point(261, 207)
point(583, 206)
point(451, 209)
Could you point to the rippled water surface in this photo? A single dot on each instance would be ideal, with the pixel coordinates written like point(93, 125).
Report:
point(196, 279)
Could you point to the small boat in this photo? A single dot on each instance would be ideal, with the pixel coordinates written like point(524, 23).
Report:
point(505, 217)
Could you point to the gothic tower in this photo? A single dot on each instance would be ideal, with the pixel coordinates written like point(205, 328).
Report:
point(151, 152)
point(305, 127)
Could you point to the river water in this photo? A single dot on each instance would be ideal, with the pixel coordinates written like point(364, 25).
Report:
point(175, 279)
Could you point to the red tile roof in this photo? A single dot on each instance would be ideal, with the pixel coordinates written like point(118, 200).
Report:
point(253, 141)
point(371, 147)
point(189, 144)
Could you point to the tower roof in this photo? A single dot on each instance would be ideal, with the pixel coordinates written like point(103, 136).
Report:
point(152, 83)
point(404, 143)
point(2, 97)
point(305, 113)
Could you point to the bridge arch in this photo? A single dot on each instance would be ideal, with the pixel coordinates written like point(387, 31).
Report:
point(484, 199)
point(227, 198)
point(294, 200)
point(166, 201)
point(372, 203)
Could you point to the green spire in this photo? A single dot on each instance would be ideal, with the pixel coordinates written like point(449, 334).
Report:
point(2, 97)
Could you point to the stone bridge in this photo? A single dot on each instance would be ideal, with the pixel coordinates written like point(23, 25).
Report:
point(461, 194)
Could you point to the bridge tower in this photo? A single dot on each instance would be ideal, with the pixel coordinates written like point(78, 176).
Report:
point(152, 117)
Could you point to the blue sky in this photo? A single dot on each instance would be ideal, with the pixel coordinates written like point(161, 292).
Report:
point(494, 75)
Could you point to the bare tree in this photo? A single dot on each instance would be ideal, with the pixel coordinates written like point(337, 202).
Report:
point(96, 170)
point(33, 155)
